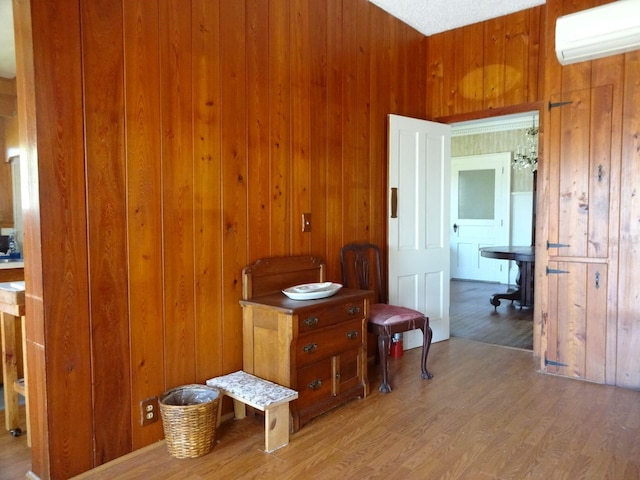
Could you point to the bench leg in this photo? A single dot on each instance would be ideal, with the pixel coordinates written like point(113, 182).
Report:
point(239, 409)
point(276, 427)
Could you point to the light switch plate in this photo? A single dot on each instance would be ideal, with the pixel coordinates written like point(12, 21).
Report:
point(306, 222)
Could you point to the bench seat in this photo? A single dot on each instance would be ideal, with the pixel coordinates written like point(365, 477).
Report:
point(268, 397)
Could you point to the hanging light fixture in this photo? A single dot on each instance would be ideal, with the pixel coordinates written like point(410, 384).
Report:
point(526, 156)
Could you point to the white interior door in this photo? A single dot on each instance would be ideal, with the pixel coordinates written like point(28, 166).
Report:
point(419, 194)
point(480, 215)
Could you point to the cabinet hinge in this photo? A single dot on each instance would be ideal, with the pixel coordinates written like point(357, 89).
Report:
point(557, 104)
point(553, 364)
point(555, 271)
point(556, 245)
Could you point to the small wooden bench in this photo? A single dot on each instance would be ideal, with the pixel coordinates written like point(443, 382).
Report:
point(271, 398)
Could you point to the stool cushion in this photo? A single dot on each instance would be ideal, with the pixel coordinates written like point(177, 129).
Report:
point(387, 315)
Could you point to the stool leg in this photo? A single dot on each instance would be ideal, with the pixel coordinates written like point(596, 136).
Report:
point(276, 427)
point(427, 334)
point(383, 346)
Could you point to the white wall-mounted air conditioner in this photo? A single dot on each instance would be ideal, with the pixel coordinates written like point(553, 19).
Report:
point(598, 32)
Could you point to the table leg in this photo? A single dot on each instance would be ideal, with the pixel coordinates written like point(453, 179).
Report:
point(524, 291)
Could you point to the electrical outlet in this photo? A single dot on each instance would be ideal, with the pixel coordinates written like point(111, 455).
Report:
point(149, 411)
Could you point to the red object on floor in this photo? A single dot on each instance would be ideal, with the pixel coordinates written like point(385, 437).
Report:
point(396, 348)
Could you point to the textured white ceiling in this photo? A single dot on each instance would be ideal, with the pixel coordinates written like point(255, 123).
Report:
point(435, 16)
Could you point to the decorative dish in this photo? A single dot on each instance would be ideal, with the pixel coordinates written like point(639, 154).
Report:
point(312, 291)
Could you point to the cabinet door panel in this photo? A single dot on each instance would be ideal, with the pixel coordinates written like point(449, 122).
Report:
point(347, 369)
point(579, 167)
point(577, 320)
point(314, 383)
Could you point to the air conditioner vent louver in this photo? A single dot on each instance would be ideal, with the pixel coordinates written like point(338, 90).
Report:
point(598, 32)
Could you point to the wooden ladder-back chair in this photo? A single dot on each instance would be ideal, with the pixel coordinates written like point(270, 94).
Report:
point(361, 269)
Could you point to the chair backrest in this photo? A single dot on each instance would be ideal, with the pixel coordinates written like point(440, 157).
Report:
point(274, 274)
point(361, 268)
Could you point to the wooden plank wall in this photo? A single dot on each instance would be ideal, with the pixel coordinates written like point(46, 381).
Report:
point(177, 141)
point(489, 65)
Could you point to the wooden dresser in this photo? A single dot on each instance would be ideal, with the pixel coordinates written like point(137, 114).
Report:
point(316, 347)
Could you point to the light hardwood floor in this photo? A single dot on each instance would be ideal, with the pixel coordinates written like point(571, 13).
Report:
point(486, 414)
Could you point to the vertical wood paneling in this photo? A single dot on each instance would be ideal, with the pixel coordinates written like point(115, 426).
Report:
point(497, 73)
point(455, 99)
point(487, 65)
point(435, 73)
point(599, 169)
point(595, 353)
point(573, 192)
point(318, 147)
point(628, 309)
point(144, 213)
point(302, 188)
point(259, 181)
point(351, 171)
point(535, 35)
point(211, 126)
point(516, 56)
point(368, 205)
point(610, 71)
point(471, 85)
point(63, 226)
point(280, 126)
point(104, 126)
point(177, 190)
point(378, 123)
point(233, 183)
point(336, 188)
point(207, 200)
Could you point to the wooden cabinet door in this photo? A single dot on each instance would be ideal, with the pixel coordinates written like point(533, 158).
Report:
point(577, 320)
point(579, 166)
point(347, 371)
point(579, 163)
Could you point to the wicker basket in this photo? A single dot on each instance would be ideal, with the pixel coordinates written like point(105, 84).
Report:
point(189, 415)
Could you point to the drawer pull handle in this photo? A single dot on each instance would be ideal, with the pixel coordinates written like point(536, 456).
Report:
point(315, 385)
point(310, 347)
point(311, 321)
point(354, 309)
point(352, 334)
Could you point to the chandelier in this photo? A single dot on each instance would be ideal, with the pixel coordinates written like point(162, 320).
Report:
point(526, 156)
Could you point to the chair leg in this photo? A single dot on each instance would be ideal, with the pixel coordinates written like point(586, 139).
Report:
point(383, 348)
point(426, 345)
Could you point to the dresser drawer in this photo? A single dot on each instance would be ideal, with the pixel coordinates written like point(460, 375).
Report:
point(329, 341)
point(331, 315)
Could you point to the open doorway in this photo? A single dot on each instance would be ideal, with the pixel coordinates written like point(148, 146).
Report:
point(471, 314)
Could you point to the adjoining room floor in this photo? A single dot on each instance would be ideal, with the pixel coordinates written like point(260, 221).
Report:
point(474, 318)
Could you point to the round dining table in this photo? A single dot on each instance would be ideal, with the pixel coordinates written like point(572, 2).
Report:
point(525, 259)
